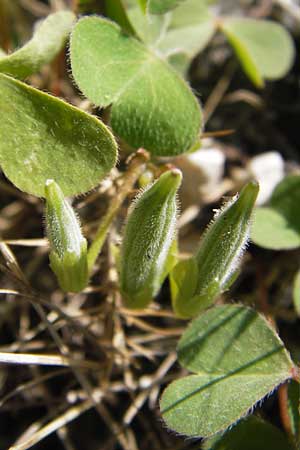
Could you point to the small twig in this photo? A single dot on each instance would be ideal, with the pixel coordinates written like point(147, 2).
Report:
point(53, 426)
point(218, 93)
point(43, 360)
point(135, 169)
point(283, 408)
point(37, 8)
point(30, 384)
point(148, 382)
point(147, 327)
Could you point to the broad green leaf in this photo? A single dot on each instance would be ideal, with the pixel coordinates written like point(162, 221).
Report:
point(272, 230)
point(162, 6)
point(42, 137)
point(250, 434)
point(180, 62)
point(152, 107)
point(47, 41)
point(191, 28)
point(264, 48)
point(237, 359)
point(293, 404)
point(296, 293)
point(277, 226)
point(218, 256)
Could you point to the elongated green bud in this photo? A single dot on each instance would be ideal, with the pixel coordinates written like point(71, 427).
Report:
point(148, 236)
point(68, 255)
point(216, 262)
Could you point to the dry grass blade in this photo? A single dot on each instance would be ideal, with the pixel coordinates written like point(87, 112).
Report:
point(43, 360)
point(28, 242)
point(59, 422)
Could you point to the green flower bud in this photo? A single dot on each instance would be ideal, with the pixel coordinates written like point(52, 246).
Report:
point(68, 255)
point(148, 236)
point(196, 283)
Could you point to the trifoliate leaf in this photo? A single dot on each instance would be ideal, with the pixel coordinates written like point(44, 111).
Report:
point(152, 107)
point(47, 41)
point(264, 48)
point(42, 137)
point(237, 359)
point(277, 226)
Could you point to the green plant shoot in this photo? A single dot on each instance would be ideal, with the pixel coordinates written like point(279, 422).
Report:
point(196, 283)
point(148, 236)
point(68, 256)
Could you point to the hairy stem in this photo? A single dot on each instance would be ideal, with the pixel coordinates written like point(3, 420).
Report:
point(135, 169)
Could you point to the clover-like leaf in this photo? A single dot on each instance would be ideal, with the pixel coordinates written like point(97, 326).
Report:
point(152, 107)
point(43, 137)
point(47, 41)
point(264, 48)
point(250, 434)
point(277, 226)
point(237, 359)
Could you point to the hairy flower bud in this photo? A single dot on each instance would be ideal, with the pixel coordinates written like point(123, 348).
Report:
point(68, 255)
point(196, 283)
point(148, 236)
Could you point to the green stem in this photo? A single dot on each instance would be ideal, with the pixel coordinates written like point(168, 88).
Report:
point(135, 169)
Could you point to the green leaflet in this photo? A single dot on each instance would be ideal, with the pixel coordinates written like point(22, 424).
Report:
point(162, 6)
point(49, 38)
point(148, 27)
point(196, 283)
point(116, 11)
point(191, 27)
point(68, 254)
point(293, 406)
point(265, 49)
point(250, 434)
point(152, 107)
point(42, 137)
point(296, 293)
point(148, 235)
point(276, 226)
point(237, 359)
